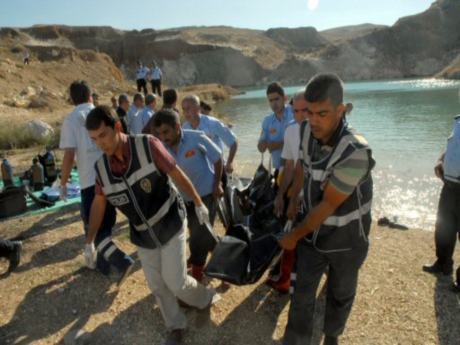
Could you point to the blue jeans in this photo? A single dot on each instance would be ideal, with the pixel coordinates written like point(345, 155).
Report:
point(108, 252)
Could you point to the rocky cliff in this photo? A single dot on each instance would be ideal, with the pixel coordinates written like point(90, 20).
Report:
point(416, 46)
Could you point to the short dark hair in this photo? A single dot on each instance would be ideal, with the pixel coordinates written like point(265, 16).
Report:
point(275, 88)
point(150, 98)
point(139, 96)
point(123, 98)
point(166, 117)
point(325, 86)
point(169, 97)
point(97, 116)
point(80, 92)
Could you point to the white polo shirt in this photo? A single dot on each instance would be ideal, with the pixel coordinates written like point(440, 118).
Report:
point(75, 136)
point(291, 142)
point(156, 73)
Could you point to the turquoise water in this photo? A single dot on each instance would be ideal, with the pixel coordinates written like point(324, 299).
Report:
point(406, 123)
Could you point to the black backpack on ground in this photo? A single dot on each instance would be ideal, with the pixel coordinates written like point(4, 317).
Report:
point(12, 202)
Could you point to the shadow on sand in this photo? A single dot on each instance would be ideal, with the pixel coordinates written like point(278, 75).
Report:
point(447, 307)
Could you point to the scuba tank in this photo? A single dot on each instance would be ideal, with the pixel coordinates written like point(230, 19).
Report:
point(7, 173)
point(38, 176)
point(49, 164)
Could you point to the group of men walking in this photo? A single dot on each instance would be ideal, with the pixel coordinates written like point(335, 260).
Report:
point(167, 178)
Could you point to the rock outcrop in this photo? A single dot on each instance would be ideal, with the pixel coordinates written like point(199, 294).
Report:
point(415, 46)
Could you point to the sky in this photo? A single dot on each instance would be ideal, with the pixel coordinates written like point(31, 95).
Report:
point(162, 14)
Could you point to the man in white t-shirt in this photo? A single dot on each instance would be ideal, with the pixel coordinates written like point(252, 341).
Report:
point(76, 143)
point(290, 155)
point(290, 152)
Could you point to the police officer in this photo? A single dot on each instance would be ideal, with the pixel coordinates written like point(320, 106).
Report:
point(274, 125)
point(201, 161)
point(212, 127)
point(141, 77)
point(137, 175)
point(448, 217)
point(336, 163)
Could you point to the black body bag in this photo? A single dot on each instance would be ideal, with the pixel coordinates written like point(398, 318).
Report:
point(241, 260)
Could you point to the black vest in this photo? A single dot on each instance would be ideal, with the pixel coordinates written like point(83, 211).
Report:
point(144, 195)
point(350, 224)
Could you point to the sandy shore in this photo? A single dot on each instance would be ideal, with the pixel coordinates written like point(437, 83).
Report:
point(51, 295)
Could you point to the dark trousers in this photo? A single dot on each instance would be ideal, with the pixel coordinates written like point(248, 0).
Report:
point(156, 86)
point(447, 223)
point(198, 243)
point(341, 290)
point(108, 252)
point(141, 85)
point(6, 248)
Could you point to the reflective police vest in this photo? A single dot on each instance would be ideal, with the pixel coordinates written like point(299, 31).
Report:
point(144, 195)
point(451, 163)
point(350, 224)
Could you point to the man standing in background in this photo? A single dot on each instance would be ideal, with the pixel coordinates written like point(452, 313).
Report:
point(135, 109)
point(156, 77)
point(212, 127)
point(274, 125)
point(141, 118)
point(448, 217)
point(141, 77)
point(76, 143)
point(122, 111)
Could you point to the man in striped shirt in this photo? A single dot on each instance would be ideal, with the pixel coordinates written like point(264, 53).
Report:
point(335, 166)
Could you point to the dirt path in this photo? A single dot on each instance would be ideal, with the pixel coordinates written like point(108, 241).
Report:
point(52, 294)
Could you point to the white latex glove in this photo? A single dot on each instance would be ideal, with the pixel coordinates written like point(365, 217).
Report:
point(202, 214)
point(63, 193)
point(90, 256)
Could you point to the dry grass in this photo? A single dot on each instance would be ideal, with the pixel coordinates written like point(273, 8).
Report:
point(51, 294)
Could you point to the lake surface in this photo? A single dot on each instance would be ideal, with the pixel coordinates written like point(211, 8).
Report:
point(406, 123)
